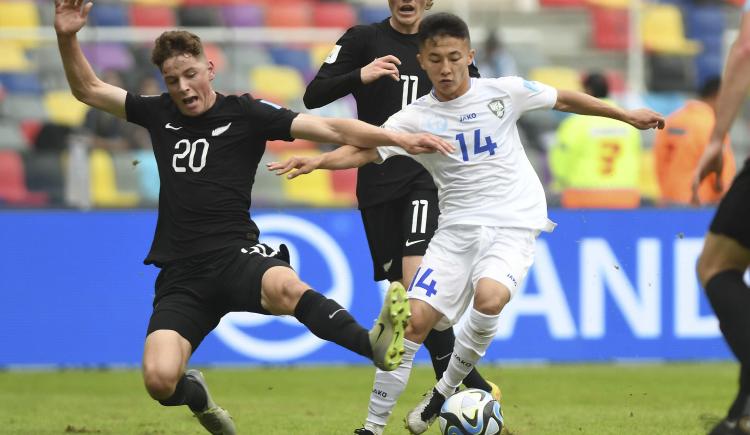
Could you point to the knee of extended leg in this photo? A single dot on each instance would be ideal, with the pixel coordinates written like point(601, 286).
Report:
point(284, 298)
point(706, 267)
point(159, 383)
point(417, 328)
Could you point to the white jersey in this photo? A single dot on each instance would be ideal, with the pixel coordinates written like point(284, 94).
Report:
point(488, 180)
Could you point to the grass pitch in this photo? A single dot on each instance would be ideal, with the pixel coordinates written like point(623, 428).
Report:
point(679, 399)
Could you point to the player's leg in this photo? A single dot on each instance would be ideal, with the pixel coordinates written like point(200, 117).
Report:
point(180, 321)
point(724, 259)
point(420, 213)
point(256, 281)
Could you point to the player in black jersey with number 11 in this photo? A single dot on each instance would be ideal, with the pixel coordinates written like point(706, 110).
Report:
point(207, 148)
point(377, 64)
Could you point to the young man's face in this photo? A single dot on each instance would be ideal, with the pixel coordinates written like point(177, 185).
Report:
point(188, 79)
point(446, 61)
point(407, 13)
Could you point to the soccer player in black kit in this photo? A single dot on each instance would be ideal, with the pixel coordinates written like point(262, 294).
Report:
point(726, 249)
point(377, 64)
point(207, 148)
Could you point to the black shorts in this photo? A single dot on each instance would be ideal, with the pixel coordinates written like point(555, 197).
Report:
point(193, 294)
point(732, 218)
point(400, 228)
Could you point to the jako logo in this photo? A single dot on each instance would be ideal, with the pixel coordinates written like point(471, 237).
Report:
point(235, 329)
point(467, 117)
point(380, 393)
point(464, 363)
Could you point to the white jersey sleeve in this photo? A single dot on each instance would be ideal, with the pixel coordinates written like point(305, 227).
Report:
point(527, 95)
point(403, 121)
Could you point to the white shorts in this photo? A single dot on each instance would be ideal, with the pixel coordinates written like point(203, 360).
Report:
point(460, 255)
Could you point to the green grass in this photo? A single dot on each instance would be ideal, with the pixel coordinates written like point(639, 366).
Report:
point(656, 399)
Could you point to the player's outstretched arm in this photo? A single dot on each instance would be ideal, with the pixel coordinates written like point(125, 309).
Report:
point(358, 133)
point(584, 104)
point(344, 157)
point(733, 91)
point(70, 17)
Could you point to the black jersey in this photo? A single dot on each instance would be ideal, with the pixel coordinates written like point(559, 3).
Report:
point(340, 75)
point(207, 168)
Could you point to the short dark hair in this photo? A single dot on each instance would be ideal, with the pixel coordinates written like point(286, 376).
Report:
point(442, 24)
point(595, 84)
point(174, 43)
point(710, 87)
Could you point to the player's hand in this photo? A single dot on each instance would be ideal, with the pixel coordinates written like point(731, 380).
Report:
point(300, 166)
point(422, 143)
point(644, 119)
point(711, 162)
point(70, 16)
point(381, 66)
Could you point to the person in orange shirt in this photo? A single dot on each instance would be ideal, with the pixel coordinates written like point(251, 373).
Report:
point(679, 146)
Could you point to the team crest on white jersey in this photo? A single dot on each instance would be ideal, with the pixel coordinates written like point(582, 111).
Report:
point(434, 124)
point(333, 55)
point(497, 107)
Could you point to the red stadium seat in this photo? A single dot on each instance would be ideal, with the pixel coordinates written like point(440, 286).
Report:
point(289, 15)
point(562, 3)
point(345, 183)
point(152, 16)
point(13, 188)
point(340, 15)
point(610, 28)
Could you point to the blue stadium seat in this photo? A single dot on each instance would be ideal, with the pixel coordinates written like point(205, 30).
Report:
point(298, 59)
point(704, 22)
point(21, 83)
point(707, 65)
point(372, 14)
point(109, 14)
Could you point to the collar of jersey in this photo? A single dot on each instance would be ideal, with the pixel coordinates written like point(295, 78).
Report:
point(471, 86)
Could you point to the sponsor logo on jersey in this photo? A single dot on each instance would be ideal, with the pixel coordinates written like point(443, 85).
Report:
point(497, 107)
point(434, 124)
point(467, 117)
point(171, 127)
point(512, 278)
point(333, 55)
point(220, 130)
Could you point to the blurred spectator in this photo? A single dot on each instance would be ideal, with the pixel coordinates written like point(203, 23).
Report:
point(494, 60)
point(680, 145)
point(595, 153)
point(104, 130)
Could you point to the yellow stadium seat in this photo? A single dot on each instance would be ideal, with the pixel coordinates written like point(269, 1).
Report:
point(104, 192)
point(558, 77)
point(616, 4)
point(13, 57)
point(319, 53)
point(314, 189)
point(663, 31)
point(63, 108)
point(282, 82)
point(21, 14)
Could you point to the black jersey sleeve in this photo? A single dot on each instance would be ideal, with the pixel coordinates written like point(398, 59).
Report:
point(139, 109)
point(273, 121)
point(340, 73)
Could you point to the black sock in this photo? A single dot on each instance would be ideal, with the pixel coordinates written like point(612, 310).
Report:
point(187, 392)
point(440, 346)
point(730, 297)
point(330, 321)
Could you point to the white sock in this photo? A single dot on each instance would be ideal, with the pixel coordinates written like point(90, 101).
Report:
point(472, 342)
point(388, 386)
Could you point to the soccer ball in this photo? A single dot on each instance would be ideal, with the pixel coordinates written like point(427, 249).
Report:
point(471, 412)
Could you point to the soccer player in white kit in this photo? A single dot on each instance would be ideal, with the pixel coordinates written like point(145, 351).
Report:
point(492, 204)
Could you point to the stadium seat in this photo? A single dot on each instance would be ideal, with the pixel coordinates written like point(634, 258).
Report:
point(319, 53)
point(13, 189)
point(562, 3)
point(125, 171)
point(615, 4)
point(199, 16)
point(148, 176)
point(341, 15)
point(601, 198)
point(670, 73)
point(103, 182)
point(558, 77)
point(267, 189)
point(663, 31)
point(44, 172)
point(610, 28)
point(20, 83)
point(109, 14)
point(105, 56)
point(244, 15)
point(11, 136)
point(152, 16)
point(345, 184)
point(13, 57)
point(158, 2)
point(707, 65)
point(23, 14)
point(64, 109)
point(372, 14)
point(30, 129)
point(289, 15)
point(281, 82)
point(314, 189)
point(280, 146)
point(296, 58)
point(216, 55)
